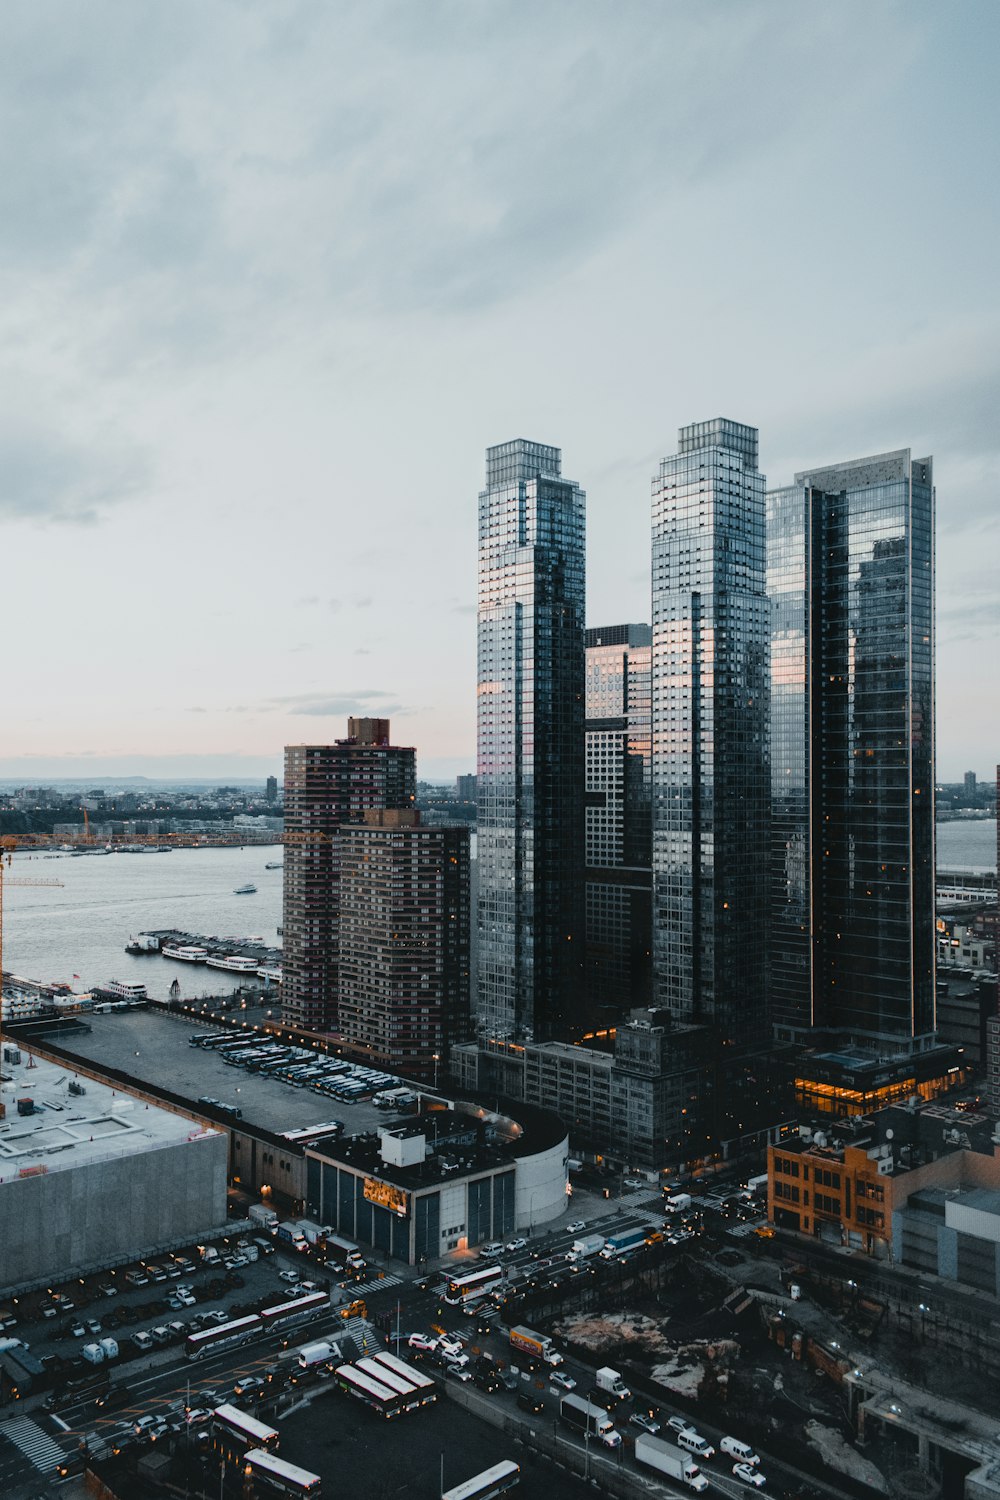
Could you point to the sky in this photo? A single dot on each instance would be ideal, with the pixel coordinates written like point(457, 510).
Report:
point(274, 275)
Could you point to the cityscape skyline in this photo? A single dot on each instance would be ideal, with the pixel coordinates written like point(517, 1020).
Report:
point(150, 438)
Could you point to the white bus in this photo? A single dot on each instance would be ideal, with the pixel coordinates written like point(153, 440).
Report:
point(476, 1284)
point(490, 1482)
point(273, 1476)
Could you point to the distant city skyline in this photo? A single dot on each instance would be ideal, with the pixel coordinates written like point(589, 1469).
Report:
point(250, 365)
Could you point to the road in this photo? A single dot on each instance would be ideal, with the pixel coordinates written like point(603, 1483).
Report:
point(174, 1382)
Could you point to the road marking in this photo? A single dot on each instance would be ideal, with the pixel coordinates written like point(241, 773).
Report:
point(35, 1444)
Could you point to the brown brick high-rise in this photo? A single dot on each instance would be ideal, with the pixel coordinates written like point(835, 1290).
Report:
point(327, 786)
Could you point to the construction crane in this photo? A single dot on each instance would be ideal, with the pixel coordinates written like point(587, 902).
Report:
point(8, 843)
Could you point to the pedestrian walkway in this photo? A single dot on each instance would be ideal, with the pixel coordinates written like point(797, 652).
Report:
point(382, 1284)
point(362, 1334)
point(35, 1444)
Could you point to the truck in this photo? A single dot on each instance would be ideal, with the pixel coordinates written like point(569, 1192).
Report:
point(539, 1345)
point(93, 1354)
point(609, 1380)
point(678, 1204)
point(624, 1240)
point(261, 1214)
point(290, 1234)
point(583, 1249)
point(343, 1253)
point(577, 1412)
point(110, 1347)
point(314, 1233)
point(668, 1459)
point(209, 1255)
point(24, 1373)
point(321, 1352)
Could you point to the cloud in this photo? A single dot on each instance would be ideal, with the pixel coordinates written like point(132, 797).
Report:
point(48, 477)
point(364, 702)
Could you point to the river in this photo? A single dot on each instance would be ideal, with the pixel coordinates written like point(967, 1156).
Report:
point(77, 932)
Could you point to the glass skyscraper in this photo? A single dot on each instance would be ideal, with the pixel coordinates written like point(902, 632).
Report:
point(530, 744)
point(618, 821)
point(850, 574)
point(711, 787)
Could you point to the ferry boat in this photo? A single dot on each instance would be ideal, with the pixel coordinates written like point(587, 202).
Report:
point(186, 955)
point(126, 991)
point(234, 962)
point(246, 890)
point(269, 975)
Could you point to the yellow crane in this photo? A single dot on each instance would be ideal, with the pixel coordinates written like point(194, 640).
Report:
point(8, 843)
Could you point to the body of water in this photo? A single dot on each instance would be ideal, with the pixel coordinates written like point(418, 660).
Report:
point(82, 928)
point(967, 845)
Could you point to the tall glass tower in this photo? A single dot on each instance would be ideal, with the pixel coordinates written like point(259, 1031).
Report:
point(850, 574)
point(530, 786)
point(711, 787)
point(618, 844)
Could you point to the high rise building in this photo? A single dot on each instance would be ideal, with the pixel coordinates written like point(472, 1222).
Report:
point(618, 895)
point(710, 734)
point(850, 574)
point(530, 744)
point(327, 786)
point(403, 995)
point(970, 783)
point(271, 789)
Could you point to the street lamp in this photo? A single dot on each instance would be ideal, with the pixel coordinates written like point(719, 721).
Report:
point(437, 1059)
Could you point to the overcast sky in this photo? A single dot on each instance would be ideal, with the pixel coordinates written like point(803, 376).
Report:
point(275, 274)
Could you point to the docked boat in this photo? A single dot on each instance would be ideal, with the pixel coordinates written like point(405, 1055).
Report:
point(124, 991)
point(234, 962)
point(246, 890)
point(185, 955)
point(144, 943)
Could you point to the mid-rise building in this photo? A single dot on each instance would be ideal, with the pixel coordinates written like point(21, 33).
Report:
point(465, 788)
point(327, 786)
point(618, 951)
point(850, 574)
point(271, 789)
point(403, 968)
point(710, 770)
point(530, 744)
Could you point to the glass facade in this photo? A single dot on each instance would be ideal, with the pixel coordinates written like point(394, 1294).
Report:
point(530, 744)
point(618, 821)
point(710, 717)
point(850, 573)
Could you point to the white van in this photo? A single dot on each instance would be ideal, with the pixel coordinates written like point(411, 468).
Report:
point(490, 1251)
point(693, 1442)
point(741, 1451)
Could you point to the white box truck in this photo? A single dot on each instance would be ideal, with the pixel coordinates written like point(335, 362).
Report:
point(678, 1204)
point(609, 1380)
point(261, 1214)
point(669, 1460)
point(583, 1249)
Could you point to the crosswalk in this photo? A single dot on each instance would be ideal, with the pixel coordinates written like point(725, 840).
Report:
point(35, 1444)
point(382, 1284)
point(362, 1335)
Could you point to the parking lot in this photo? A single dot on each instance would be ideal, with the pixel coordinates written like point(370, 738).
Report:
point(153, 1047)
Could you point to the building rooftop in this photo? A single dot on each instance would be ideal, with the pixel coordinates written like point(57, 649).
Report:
point(75, 1121)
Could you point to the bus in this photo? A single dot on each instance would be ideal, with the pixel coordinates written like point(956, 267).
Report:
point(298, 1310)
point(417, 1378)
point(374, 1393)
point(404, 1387)
point(225, 1336)
point(231, 1423)
point(476, 1284)
point(487, 1484)
point(273, 1476)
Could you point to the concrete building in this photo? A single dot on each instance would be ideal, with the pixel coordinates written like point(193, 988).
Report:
point(89, 1173)
point(404, 942)
point(636, 1105)
point(618, 933)
point(893, 1183)
point(271, 789)
point(530, 768)
point(454, 1177)
point(327, 786)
